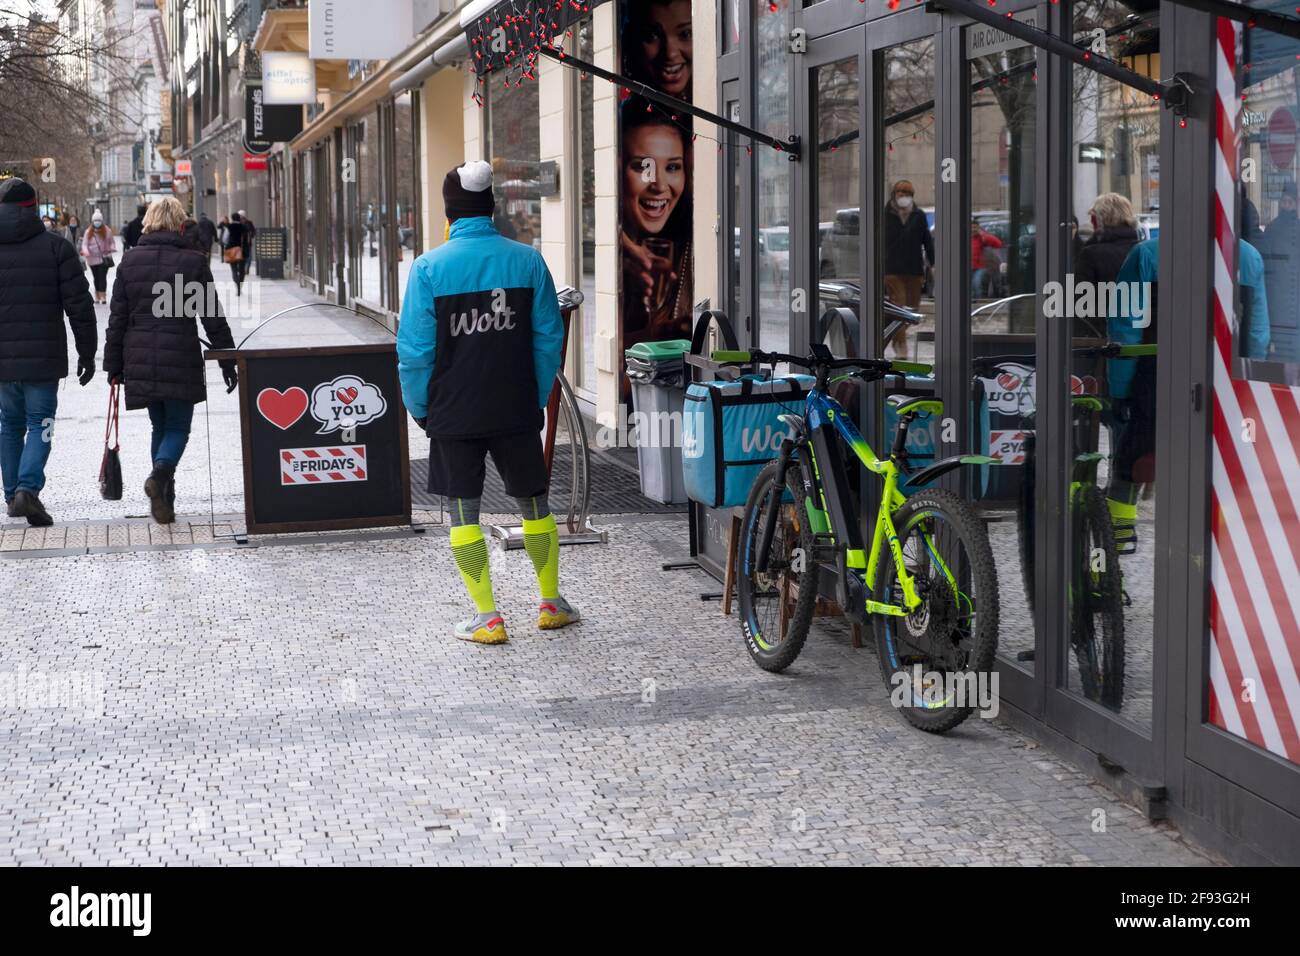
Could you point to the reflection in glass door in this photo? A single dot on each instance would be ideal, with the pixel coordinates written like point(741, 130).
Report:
point(905, 231)
point(836, 104)
point(1000, 270)
point(1110, 588)
point(774, 174)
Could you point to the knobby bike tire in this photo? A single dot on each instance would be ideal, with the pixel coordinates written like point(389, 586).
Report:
point(1101, 664)
point(982, 573)
point(793, 530)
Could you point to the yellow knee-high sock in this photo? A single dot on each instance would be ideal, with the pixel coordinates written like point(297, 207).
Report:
point(542, 542)
point(470, 551)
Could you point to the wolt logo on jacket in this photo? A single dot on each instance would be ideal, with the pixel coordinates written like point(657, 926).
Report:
point(480, 335)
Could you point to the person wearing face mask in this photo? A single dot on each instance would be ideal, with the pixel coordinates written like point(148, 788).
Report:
point(657, 45)
point(1280, 247)
point(909, 251)
point(97, 247)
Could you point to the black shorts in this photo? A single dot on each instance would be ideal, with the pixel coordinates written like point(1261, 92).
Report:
point(457, 465)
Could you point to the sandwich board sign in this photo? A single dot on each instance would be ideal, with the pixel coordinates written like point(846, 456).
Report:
point(324, 438)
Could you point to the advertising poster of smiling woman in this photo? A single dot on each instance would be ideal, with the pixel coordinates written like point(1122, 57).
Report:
point(655, 160)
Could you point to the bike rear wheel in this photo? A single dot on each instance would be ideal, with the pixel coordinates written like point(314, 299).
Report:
point(1097, 601)
point(776, 605)
point(935, 659)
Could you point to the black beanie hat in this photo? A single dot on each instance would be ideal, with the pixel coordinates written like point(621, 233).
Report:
point(467, 191)
point(18, 191)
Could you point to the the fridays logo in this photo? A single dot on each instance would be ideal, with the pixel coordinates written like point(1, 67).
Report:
point(346, 402)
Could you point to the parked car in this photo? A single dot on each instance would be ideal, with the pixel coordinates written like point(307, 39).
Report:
point(774, 243)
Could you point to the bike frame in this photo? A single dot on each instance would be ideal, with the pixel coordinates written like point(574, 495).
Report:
point(823, 419)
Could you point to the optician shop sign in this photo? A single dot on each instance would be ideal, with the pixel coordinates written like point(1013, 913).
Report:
point(287, 78)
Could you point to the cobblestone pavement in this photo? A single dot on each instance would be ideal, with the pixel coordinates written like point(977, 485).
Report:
point(306, 704)
point(168, 698)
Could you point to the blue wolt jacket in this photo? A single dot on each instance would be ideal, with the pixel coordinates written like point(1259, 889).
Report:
point(480, 335)
point(1143, 265)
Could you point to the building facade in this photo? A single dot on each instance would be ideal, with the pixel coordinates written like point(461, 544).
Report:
point(211, 62)
point(1006, 128)
point(127, 139)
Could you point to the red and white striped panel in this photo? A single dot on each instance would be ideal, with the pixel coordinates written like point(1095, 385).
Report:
point(322, 466)
point(1255, 553)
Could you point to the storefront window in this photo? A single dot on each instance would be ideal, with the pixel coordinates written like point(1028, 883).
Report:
point(306, 169)
point(999, 273)
point(772, 173)
point(732, 19)
point(585, 333)
point(367, 228)
point(1111, 257)
point(514, 151)
point(839, 270)
point(1254, 665)
point(406, 192)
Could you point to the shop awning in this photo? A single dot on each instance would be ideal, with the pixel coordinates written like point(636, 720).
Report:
point(508, 36)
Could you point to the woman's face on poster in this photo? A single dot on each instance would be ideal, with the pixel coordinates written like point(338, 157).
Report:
point(654, 176)
point(660, 46)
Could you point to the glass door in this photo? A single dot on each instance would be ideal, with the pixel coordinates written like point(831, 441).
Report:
point(996, 268)
point(830, 264)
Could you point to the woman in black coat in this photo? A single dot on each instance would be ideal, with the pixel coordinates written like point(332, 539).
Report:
point(235, 236)
point(152, 345)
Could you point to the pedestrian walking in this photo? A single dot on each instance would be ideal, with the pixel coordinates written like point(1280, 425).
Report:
point(152, 347)
point(478, 348)
point(207, 233)
point(250, 230)
point(232, 251)
point(40, 282)
point(72, 230)
point(909, 252)
point(131, 231)
point(97, 247)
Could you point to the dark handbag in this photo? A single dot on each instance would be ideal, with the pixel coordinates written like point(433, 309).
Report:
point(110, 261)
point(110, 466)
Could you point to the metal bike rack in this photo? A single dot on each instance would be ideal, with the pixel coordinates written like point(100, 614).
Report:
point(574, 521)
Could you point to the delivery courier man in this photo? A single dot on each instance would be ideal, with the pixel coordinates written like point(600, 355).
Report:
point(478, 348)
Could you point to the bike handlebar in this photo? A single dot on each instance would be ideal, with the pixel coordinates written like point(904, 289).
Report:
point(880, 366)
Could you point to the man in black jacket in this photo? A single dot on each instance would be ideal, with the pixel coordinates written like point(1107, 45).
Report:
point(131, 231)
point(207, 233)
point(40, 281)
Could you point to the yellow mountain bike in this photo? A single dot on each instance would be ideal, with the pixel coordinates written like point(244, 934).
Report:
point(928, 582)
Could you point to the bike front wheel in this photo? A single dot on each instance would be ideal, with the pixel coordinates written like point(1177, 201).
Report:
point(936, 660)
point(776, 604)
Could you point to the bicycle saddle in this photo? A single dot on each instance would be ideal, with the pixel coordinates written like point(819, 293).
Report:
point(915, 404)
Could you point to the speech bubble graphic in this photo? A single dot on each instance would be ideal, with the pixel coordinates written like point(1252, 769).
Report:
point(346, 402)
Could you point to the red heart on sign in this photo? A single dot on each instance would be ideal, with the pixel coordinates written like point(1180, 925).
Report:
point(346, 395)
point(282, 409)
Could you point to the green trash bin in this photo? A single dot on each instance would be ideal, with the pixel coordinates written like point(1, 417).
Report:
point(657, 371)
